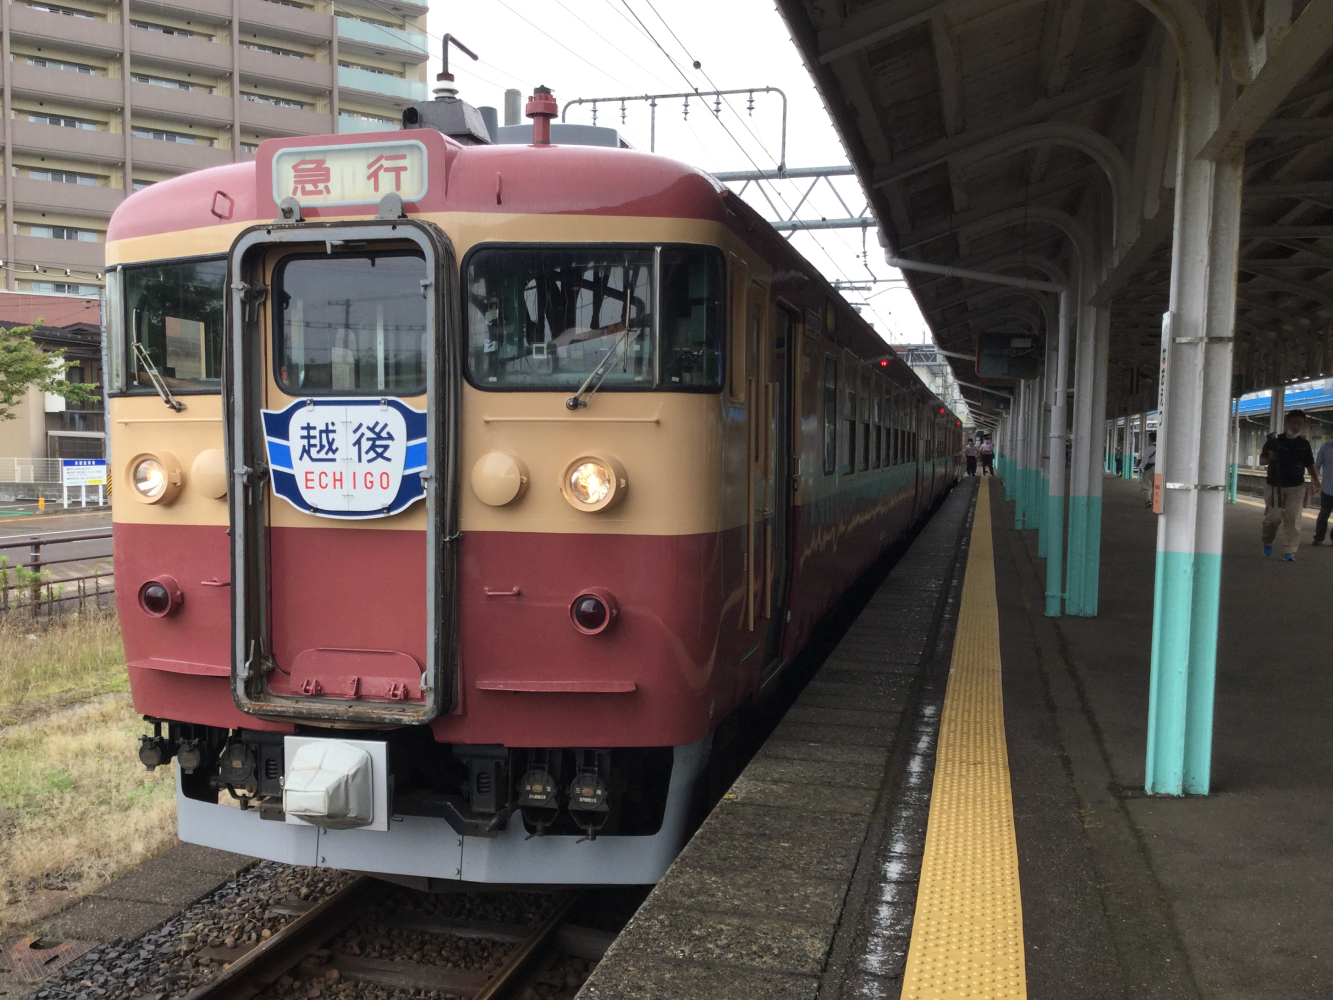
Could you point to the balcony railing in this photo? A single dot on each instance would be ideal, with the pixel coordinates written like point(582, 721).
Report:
point(362, 34)
point(394, 89)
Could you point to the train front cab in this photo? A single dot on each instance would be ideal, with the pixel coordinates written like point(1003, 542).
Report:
point(502, 511)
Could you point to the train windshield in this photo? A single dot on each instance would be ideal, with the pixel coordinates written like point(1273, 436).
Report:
point(175, 312)
point(548, 318)
point(351, 324)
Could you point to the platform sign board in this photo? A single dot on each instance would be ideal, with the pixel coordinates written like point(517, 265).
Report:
point(1009, 355)
point(347, 457)
point(995, 401)
point(351, 173)
point(83, 471)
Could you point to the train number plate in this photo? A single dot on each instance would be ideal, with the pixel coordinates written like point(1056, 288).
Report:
point(338, 457)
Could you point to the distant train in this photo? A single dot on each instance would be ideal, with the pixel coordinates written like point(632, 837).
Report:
point(464, 489)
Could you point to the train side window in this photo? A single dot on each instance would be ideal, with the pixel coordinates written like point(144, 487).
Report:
point(692, 318)
point(865, 420)
point(830, 415)
point(350, 323)
point(174, 310)
point(875, 419)
point(849, 420)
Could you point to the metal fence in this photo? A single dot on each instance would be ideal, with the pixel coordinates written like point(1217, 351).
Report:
point(29, 470)
point(37, 579)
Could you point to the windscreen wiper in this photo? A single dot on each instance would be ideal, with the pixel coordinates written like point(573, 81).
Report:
point(599, 373)
point(156, 378)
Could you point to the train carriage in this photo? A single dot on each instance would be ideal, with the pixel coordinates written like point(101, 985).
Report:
point(464, 490)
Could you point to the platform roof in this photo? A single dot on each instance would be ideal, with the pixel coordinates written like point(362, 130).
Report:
point(992, 134)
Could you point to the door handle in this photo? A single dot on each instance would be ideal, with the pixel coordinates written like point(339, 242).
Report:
point(513, 592)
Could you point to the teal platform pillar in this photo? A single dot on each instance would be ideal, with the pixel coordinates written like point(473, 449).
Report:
point(1192, 437)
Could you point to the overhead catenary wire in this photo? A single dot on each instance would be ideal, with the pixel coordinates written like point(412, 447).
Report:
point(739, 145)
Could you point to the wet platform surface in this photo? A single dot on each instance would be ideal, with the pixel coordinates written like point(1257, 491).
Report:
point(804, 882)
point(829, 817)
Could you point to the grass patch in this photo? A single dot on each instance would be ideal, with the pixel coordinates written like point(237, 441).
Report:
point(76, 806)
point(78, 657)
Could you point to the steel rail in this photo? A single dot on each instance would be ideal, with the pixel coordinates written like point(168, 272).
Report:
point(270, 960)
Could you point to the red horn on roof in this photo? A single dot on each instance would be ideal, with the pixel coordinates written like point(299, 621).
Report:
point(541, 108)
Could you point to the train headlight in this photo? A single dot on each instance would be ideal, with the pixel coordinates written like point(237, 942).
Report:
point(155, 478)
point(593, 482)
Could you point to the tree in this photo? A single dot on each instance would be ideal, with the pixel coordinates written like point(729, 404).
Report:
point(23, 363)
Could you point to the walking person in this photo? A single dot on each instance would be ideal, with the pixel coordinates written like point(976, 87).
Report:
point(1324, 462)
point(1148, 468)
point(987, 452)
point(970, 453)
point(1288, 458)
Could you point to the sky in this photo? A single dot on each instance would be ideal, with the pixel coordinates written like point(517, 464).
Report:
point(610, 48)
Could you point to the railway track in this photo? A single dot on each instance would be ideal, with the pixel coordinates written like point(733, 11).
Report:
point(301, 951)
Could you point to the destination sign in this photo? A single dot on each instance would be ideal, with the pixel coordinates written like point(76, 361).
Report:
point(350, 174)
point(340, 457)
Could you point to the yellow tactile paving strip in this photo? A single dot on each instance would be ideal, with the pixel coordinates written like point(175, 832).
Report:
point(967, 935)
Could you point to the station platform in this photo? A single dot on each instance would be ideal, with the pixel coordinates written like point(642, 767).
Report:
point(871, 850)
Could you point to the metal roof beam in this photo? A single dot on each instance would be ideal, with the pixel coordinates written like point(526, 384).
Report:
point(862, 222)
point(791, 172)
point(935, 231)
point(873, 23)
point(937, 152)
point(1296, 55)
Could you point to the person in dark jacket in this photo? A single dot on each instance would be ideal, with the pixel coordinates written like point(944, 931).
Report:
point(1289, 458)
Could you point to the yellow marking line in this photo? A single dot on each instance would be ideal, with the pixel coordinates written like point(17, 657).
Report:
point(967, 935)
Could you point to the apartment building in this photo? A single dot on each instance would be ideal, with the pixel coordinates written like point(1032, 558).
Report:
point(104, 97)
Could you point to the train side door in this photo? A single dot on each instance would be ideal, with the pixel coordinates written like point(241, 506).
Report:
point(342, 432)
point(759, 509)
point(782, 350)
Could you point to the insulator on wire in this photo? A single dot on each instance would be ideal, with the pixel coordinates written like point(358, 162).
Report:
point(686, 112)
point(594, 112)
point(622, 112)
point(750, 106)
point(717, 105)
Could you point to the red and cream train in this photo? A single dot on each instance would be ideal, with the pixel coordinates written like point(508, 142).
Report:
point(464, 489)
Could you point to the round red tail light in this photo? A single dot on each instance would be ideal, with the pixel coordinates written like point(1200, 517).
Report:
point(161, 597)
point(593, 611)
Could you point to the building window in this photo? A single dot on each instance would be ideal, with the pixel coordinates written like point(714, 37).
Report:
point(64, 233)
point(140, 185)
point(63, 177)
point(368, 118)
point(62, 10)
point(163, 136)
point(273, 50)
point(65, 288)
point(66, 67)
point(369, 69)
point(250, 147)
point(162, 29)
point(277, 102)
point(830, 415)
point(161, 81)
point(87, 126)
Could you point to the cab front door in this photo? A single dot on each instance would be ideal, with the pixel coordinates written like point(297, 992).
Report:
point(342, 440)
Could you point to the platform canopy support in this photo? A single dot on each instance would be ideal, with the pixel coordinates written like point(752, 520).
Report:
point(1195, 394)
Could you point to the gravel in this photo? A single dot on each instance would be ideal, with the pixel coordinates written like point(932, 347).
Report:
point(177, 955)
point(189, 949)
